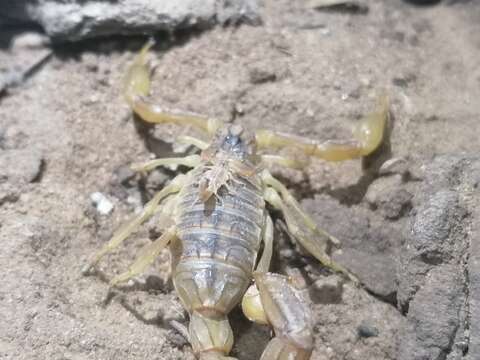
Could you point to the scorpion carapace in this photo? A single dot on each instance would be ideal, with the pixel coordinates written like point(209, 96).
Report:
point(230, 155)
point(215, 221)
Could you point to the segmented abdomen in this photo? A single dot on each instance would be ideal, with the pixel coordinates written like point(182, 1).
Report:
point(219, 241)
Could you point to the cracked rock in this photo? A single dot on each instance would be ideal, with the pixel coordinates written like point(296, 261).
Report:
point(75, 20)
point(438, 285)
point(433, 318)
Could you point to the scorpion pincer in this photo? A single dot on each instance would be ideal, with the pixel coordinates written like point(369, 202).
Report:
point(219, 232)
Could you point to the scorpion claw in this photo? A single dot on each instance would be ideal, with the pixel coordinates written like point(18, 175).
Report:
point(367, 136)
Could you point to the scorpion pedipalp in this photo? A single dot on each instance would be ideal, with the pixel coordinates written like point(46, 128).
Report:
point(137, 88)
point(367, 136)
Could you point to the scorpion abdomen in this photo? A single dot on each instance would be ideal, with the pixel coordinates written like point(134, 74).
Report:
point(218, 243)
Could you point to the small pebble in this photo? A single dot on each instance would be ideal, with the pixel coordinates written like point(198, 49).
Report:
point(19, 166)
point(30, 40)
point(260, 74)
point(394, 166)
point(327, 290)
point(367, 330)
point(102, 204)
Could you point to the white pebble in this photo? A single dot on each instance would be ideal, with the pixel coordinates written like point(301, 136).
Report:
point(102, 204)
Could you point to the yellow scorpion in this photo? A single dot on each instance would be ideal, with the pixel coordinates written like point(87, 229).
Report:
point(219, 231)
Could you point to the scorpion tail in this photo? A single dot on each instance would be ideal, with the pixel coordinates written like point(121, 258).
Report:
point(211, 336)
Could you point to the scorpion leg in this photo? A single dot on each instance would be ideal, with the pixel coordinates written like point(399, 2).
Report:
point(190, 140)
point(147, 254)
point(190, 161)
point(276, 300)
point(367, 136)
point(301, 226)
point(149, 209)
point(264, 262)
point(251, 304)
point(137, 88)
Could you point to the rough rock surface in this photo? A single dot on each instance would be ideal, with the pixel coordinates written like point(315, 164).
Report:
point(75, 20)
point(437, 289)
point(473, 269)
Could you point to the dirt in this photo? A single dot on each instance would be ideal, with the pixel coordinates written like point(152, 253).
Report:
point(66, 133)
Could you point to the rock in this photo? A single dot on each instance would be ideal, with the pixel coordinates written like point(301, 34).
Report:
point(75, 20)
point(437, 288)
point(101, 202)
point(20, 166)
point(436, 235)
point(259, 74)
point(394, 166)
point(433, 318)
point(389, 196)
point(367, 330)
point(431, 242)
point(326, 290)
point(471, 344)
point(341, 6)
point(29, 40)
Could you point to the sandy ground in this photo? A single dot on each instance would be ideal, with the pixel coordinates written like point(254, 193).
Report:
point(66, 133)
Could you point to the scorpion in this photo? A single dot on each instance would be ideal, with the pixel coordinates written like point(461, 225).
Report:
point(220, 235)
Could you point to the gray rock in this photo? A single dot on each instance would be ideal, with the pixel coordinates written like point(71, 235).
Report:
point(20, 166)
point(29, 40)
point(394, 166)
point(433, 318)
point(367, 330)
point(472, 345)
point(74, 20)
point(438, 277)
point(259, 74)
point(432, 242)
point(389, 196)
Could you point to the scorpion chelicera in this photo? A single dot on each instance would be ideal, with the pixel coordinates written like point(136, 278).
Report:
point(220, 235)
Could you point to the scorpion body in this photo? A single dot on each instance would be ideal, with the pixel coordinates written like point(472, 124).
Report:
point(215, 221)
point(218, 242)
